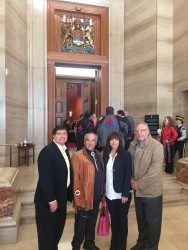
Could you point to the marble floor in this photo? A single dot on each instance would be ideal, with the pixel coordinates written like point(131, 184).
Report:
point(174, 234)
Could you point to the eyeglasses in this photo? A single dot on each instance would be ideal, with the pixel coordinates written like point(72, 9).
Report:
point(141, 130)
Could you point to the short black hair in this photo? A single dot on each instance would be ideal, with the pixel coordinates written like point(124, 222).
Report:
point(121, 112)
point(109, 110)
point(88, 113)
point(59, 127)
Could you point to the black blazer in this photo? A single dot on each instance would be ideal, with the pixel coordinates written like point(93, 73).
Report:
point(52, 183)
point(122, 170)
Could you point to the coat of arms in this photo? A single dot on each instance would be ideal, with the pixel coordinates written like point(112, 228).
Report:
point(77, 35)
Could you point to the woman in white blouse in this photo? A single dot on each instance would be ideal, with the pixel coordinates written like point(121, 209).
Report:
point(118, 168)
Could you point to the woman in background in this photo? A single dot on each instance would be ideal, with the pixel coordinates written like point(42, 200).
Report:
point(118, 168)
point(95, 122)
point(168, 136)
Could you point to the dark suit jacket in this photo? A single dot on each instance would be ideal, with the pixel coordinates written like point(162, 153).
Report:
point(52, 183)
point(122, 170)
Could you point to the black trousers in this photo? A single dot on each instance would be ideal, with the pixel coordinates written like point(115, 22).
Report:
point(169, 159)
point(50, 226)
point(149, 219)
point(84, 226)
point(119, 223)
point(180, 147)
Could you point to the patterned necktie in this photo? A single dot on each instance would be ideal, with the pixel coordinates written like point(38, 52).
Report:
point(137, 150)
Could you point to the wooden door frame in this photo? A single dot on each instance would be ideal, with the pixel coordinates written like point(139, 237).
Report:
point(103, 85)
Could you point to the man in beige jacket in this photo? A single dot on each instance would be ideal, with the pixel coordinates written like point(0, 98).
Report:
point(147, 155)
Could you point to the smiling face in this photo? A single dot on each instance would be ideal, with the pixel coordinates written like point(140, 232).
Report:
point(60, 136)
point(114, 144)
point(141, 132)
point(90, 141)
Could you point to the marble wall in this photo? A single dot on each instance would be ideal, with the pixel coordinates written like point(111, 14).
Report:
point(180, 59)
point(164, 58)
point(148, 58)
point(2, 82)
point(38, 62)
point(14, 77)
point(147, 67)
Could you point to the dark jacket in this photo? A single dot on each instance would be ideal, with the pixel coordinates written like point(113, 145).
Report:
point(122, 170)
point(83, 127)
point(109, 124)
point(52, 183)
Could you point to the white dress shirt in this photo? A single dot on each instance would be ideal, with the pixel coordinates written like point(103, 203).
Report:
point(110, 192)
point(62, 149)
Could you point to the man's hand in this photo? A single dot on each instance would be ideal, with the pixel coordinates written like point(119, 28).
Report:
point(53, 206)
point(134, 185)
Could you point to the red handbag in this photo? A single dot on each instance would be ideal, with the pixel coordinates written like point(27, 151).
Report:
point(104, 222)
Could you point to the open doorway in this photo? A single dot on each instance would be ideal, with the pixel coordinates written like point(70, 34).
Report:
point(75, 92)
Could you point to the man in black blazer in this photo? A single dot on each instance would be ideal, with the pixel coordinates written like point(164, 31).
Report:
point(53, 190)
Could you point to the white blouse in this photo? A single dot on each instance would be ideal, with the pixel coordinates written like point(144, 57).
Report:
point(109, 189)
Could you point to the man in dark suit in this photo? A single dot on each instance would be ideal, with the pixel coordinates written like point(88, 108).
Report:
point(53, 190)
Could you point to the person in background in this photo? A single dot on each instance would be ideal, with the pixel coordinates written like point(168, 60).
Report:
point(168, 136)
point(71, 134)
point(131, 122)
point(95, 122)
point(67, 123)
point(83, 126)
point(54, 188)
point(118, 168)
point(75, 125)
point(180, 142)
point(108, 124)
point(128, 135)
point(87, 166)
point(147, 157)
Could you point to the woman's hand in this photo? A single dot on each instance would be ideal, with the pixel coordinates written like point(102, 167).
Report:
point(124, 199)
point(103, 200)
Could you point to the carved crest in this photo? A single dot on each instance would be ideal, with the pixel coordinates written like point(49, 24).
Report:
point(77, 35)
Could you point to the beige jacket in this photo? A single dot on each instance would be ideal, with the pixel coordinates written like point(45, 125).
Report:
point(84, 176)
point(148, 168)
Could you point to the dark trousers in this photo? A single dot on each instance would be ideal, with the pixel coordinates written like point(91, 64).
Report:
point(50, 226)
point(119, 223)
point(180, 147)
point(84, 226)
point(149, 218)
point(169, 159)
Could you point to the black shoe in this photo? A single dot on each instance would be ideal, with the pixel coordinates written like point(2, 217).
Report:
point(90, 247)
point(138, 247)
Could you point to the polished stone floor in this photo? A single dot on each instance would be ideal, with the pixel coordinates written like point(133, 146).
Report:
point(174, 234)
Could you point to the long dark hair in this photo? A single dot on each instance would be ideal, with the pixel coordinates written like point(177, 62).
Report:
point(113, 135)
